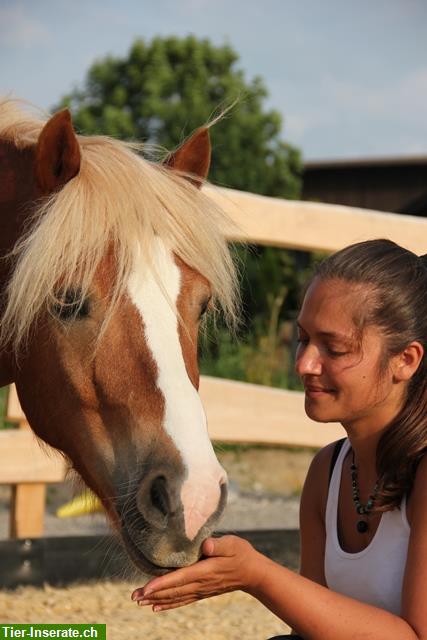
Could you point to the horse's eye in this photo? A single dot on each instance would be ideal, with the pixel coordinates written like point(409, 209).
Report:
point(204, 307)
point(71, 306)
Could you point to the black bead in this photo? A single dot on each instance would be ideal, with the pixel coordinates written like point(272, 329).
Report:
point(362, 526)
point(362, 509)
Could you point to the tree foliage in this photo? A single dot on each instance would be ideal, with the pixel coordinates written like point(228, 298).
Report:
point(163, 90)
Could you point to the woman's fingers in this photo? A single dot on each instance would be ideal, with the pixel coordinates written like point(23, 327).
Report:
point(175, 605)
point(169, 595)
point(213, 547)
point(194, 590)
point(172, 580)
point(201, 579)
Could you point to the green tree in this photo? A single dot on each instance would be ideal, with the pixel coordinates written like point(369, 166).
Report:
point(163, 90)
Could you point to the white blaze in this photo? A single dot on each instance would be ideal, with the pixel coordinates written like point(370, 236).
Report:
point(184, 418)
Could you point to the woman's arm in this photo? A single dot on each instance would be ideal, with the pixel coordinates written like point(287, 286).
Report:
point(312, 516)
point(317, 613)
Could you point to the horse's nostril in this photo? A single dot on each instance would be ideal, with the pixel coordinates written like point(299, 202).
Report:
point(159, 495)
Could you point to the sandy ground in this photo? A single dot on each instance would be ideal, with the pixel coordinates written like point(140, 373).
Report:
point(232, 616)
point(264, 493)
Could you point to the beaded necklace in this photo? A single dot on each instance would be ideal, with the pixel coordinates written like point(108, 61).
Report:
point(362, 526)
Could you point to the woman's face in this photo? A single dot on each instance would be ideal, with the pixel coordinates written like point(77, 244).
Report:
point(341, 374)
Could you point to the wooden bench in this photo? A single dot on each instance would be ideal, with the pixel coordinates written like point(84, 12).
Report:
point(237, 413)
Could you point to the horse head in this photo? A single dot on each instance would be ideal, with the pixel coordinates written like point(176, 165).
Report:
point(107, 370)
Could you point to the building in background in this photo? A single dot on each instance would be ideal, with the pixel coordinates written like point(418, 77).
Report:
point(396, 185)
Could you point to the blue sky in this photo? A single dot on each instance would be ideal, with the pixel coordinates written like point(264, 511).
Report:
point(350, 78)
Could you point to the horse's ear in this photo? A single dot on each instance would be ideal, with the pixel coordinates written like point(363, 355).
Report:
point(57, 153)
point(193, 157)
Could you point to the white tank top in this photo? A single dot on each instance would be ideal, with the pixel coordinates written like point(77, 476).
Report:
point(375, 574)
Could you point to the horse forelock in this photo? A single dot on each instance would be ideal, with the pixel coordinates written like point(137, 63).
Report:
point(118, 199)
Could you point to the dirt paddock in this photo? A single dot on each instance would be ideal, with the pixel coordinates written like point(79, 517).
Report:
point(232, 616)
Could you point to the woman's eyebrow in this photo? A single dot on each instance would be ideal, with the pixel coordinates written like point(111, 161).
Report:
point(328, 334)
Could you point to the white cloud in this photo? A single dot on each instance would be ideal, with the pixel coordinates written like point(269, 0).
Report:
point(19, 29)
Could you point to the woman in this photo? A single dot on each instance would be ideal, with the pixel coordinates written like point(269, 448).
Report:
point(361, 357)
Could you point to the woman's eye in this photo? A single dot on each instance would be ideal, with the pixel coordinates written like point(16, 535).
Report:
point(336, 354)
point(71, 306)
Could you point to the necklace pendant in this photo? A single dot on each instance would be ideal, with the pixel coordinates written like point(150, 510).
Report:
point(362, 526)
point(361, 509)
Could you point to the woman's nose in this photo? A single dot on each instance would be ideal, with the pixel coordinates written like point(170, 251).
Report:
point(308, 361)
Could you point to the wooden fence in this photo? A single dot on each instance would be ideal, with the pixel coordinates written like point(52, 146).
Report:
point(236, 411)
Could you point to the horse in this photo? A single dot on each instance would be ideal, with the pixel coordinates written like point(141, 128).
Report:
point(108, 263)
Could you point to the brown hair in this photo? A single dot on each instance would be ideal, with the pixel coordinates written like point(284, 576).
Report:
point(396, 302)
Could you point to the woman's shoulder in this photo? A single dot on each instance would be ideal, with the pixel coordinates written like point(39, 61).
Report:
point(316, 485)
point(320, 466)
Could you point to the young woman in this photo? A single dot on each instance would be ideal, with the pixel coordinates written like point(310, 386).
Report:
point(361, 358)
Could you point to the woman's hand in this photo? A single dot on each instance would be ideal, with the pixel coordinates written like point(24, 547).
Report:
point(230, 563)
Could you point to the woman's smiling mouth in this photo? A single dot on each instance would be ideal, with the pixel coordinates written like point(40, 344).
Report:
point(316, 391)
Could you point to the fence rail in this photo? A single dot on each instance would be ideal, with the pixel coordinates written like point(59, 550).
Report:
point(314, 226)
point(236, 411)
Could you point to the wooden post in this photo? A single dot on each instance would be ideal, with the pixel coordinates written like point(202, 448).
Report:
point(28, 502)
point(27, 468)
point(27, 510)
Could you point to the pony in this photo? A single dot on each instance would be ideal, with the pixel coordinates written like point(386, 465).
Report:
point(108, 262)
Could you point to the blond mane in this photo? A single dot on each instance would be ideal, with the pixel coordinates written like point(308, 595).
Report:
point(117, 199)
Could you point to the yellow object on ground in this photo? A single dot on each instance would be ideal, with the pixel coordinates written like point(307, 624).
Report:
point(81, 505)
